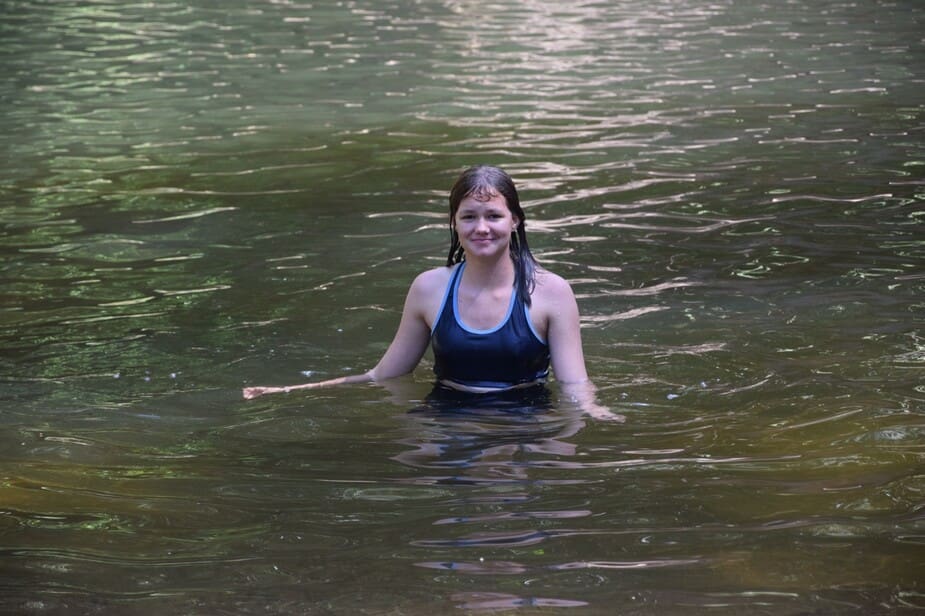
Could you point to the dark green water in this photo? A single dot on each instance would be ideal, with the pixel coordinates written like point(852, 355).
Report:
point(199, 196)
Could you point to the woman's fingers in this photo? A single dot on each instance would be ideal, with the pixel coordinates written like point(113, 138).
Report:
point(252, 392)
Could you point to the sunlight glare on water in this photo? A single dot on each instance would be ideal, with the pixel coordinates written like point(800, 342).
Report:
point(198, 197)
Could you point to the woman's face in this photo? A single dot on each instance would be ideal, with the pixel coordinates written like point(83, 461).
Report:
point(484, 227)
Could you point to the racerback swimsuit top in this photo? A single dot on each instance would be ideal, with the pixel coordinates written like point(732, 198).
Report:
point(508, 355)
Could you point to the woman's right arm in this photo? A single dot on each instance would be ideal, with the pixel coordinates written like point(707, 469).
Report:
point(413, 335)
point(404, 353)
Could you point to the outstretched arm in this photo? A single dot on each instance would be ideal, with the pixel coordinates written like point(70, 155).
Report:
point(403, 353)
point(254, 392)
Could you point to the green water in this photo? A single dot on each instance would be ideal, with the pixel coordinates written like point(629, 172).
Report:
point(200, 196)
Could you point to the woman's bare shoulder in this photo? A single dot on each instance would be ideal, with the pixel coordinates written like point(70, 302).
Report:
point(430, 280)
point(427, 292)
point(428, 288)
point(551, 285)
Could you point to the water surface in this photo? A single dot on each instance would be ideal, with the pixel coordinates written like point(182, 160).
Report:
point(201, 196)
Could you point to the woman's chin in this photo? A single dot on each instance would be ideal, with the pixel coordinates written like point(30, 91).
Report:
point(484, 249)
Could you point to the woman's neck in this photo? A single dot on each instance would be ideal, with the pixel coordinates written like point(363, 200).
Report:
point(491, 273)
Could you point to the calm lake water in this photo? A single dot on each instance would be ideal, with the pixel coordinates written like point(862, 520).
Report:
point(198, 196)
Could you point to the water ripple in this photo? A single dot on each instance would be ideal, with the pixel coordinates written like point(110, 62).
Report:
point(197, 196)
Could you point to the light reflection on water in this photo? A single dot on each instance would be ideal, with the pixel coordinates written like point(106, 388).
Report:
point(197, 197)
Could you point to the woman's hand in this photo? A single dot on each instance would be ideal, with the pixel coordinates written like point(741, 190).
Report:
point(252, 392)
point(583, 395)
point(602, 413)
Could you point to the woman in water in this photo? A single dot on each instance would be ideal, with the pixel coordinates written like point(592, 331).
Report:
point(495, 319)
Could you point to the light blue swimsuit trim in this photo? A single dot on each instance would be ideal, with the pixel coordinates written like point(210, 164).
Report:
point(510, 309)
point(471, 330)
point(446, 294)
point(530, 323)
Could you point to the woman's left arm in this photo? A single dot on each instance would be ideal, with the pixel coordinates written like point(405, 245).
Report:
point(563, 331)
point(565, 349)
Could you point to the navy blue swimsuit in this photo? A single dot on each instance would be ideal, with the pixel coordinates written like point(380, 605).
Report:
point(510, 354)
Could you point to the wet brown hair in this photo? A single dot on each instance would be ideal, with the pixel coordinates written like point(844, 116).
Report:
point(483, 182)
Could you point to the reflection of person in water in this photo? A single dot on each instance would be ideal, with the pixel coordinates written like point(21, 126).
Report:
point(495, 319)
point(487, 437)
